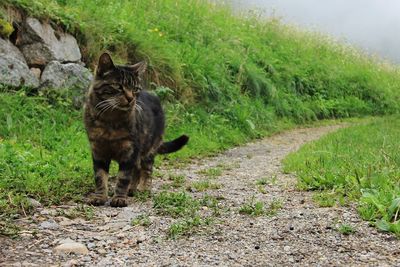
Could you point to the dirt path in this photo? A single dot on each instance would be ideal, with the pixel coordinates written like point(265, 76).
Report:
point(300, 233)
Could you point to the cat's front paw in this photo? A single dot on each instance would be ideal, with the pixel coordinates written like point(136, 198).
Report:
point(118, 201)
point(97, 200)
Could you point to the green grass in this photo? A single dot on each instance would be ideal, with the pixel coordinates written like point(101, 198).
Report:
point(253, 208)
point(204, 185)
point(211, 172)
point(361, 164)
point(175, 204)
point(346, 229)
point(141, 220)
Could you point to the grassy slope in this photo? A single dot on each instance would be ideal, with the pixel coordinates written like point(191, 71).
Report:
point(223, 80)
point(360, 163)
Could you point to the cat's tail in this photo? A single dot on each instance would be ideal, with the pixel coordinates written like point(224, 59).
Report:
point(174, 145)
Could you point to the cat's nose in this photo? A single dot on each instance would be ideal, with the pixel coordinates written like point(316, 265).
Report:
point(129, 96)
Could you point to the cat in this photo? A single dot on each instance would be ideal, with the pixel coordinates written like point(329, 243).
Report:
point(124, 123)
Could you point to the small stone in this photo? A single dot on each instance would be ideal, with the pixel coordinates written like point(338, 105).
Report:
point(34, 203)
point(73, 247)
point(37, 72)
point(91, 245)
point(102, 251)
point(286, 248)
point(66, 222)
point(49, 225)
point(71, 263)
point(67, 240)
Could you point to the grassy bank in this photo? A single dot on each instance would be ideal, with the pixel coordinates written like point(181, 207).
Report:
point(361, 164)
point(223, 80)
point(204, 54)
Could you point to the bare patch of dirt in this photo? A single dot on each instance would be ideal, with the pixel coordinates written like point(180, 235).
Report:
point(294, 231)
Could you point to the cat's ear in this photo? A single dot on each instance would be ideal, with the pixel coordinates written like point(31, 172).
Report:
point(139, 68)
point(105, 64)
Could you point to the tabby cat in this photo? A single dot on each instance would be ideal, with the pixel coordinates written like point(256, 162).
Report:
point(126, 124)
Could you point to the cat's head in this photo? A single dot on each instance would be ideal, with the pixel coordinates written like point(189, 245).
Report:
point(116, 86)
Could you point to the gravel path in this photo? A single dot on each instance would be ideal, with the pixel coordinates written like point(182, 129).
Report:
point(299, 233)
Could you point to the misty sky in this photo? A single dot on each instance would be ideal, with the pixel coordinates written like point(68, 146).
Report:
point(373, 25)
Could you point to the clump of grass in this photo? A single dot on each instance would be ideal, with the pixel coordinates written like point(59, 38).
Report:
point(187, 226)
point(253, 208)
point(175, 204)
point(211, 172)
point(142, 196)
point(141, 220)
point(80, 210)
point(177, 180)
point(204, 185)
point(274, 207)
point(360, 163)
point(346, 229)
point(262, 181)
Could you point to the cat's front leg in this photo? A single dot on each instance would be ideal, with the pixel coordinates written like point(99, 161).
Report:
point(101, 168)
point(127, 176)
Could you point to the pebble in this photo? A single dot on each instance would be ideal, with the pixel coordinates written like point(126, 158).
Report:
point(91, 245)
point(34, 203)
point(102, 251)
point(49, 225)
point(286, 248)
point(73, 247)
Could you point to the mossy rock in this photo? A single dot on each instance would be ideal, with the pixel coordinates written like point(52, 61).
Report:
point(6, 29)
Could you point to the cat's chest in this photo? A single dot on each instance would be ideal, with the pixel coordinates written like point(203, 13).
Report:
point(108, 134)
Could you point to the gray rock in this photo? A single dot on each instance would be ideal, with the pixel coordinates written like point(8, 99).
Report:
point(7, 48)
point(72, 247)
point(70, 76)
point(49, 225)
point(15, 73)
point(34, 203)
point(40, 44)
point(65, 241)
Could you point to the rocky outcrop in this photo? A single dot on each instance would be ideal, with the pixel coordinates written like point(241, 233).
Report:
point(16, 73)
point(13, 68)
point(40, 44)
point(70, 75)
point(42, 56)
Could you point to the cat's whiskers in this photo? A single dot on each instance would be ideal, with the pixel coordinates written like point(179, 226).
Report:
point(108, 104)
point(139, 108)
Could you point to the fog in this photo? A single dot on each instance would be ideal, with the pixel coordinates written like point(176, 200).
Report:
point(373, 25)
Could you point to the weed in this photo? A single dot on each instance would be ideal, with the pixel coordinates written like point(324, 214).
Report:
point(325, 199)
point(9, 228)
point(204, 185)
point(274, 207)
point(211, 172)
point(142, 196)
point(175, 204)
point(262, 181)
point(142, 220)
point(252, 208)
point(187, 226)
point(177, 180)
point(346, 229)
